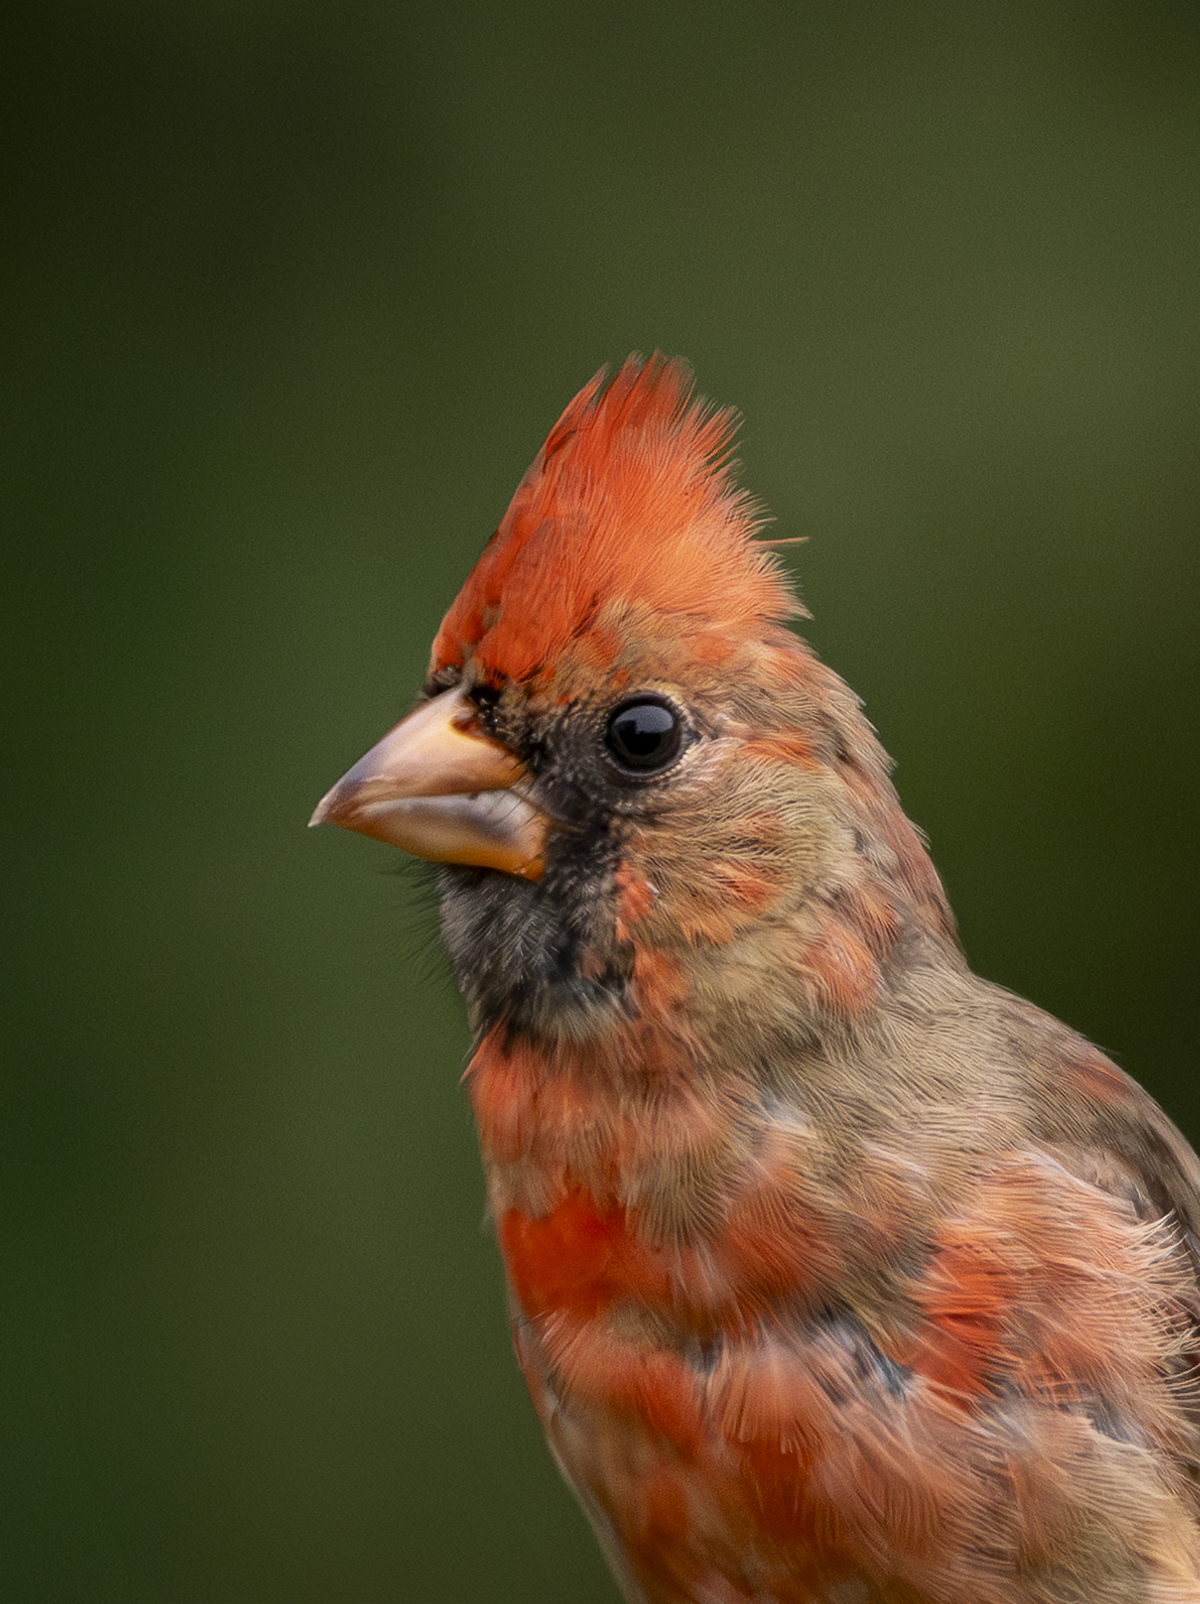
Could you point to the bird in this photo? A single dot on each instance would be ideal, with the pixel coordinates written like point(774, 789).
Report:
point(836, 1273)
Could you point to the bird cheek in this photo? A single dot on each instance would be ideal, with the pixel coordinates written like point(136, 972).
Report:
point(635, 898)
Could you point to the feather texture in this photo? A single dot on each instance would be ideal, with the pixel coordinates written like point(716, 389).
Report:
point(838, 1275)
point(629, 501)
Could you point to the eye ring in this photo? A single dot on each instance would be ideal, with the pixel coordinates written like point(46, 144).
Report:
point(644, 735)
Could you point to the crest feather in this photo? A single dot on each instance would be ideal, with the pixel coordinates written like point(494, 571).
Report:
point(630, 499)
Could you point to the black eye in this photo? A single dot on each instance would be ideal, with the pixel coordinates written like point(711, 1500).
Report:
point(644, 736)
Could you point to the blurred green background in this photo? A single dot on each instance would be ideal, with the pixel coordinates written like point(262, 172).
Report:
point(292, 294)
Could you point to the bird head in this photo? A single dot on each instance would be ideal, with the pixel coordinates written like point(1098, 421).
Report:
point(643, 785)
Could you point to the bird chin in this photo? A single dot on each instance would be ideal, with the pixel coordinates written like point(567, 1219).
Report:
point(539, 959)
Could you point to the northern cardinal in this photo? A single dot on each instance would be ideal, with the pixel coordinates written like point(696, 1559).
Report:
point(837, 1273)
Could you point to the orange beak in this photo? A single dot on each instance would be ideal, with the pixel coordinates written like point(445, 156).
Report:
point(437, 787)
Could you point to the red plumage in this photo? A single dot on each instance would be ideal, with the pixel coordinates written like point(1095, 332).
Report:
point(630, 497)
point(838, 1276)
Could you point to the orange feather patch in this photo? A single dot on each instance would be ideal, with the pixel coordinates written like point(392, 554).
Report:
point(630, 498)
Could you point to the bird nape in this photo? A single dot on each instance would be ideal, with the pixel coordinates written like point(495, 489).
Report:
point(836, 1273)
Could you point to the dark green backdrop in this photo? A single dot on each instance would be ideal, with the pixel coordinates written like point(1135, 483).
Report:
point(292, 293)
